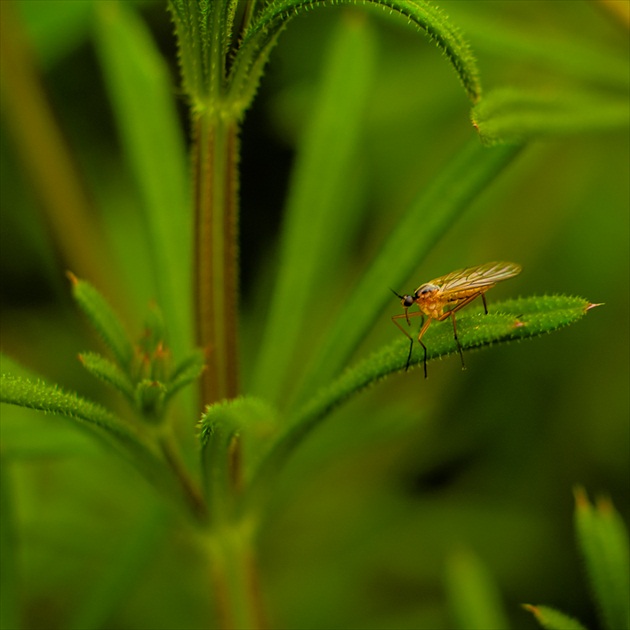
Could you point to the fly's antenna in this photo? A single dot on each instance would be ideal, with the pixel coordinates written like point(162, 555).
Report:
point(400, 297)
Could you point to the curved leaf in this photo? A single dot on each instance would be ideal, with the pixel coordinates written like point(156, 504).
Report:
point(514, 116)
point(261, 36)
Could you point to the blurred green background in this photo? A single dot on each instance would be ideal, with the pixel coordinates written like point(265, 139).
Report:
point(363, 526)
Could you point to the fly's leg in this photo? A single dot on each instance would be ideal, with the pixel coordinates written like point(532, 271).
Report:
point(485, 306)
point(409, 355)
point(424, 327)
point(451, 314)
point(459, 345)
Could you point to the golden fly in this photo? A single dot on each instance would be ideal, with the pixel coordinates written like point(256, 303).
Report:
point(443, 297)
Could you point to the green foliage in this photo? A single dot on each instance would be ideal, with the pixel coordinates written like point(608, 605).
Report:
point(552, 619)
point(322, 213)
point(427, 218)
point(9, 571)
point(281, 470)
point(104, 369)
point(139, 87)
point(603, 541)
point(102, 317)
point(146, 380)
point(513, 116)
point(52, 399)
point(513, 320)
point(474, 597)
point(221, 67)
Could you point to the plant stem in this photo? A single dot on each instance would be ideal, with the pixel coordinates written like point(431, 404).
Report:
point(234, 578)
point(215, 157)
point(192, 493)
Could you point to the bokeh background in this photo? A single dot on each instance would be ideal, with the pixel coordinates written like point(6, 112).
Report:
point(402, 477)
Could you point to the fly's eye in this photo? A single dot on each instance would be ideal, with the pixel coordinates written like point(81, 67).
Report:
point(407, 301)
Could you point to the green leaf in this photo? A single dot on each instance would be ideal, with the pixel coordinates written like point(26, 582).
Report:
point(265, 27)
point(474, 597)
point(103, 319)
point(552, 619)
point(514, 116)
point(201, 47)
point(603, 541)
point(430, 216)
point(318, 204)
point(188, 371)
point(144, 107)
point(510, 320)
point(108, 372)
point(52, 399)
point(9, 573)
point(55, 29)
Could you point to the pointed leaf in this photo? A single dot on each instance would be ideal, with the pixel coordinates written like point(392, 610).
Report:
point(185, 374)
point(603, 541)
point(108, 372)
point(552, 619)
point(104, 320)
point(475, 600)
point(510, 320)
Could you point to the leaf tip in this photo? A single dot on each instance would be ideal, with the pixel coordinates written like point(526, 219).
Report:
point(581, 500)
point(73, 279)
point(591, 305)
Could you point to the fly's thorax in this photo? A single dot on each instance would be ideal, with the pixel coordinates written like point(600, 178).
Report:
point(429, 300)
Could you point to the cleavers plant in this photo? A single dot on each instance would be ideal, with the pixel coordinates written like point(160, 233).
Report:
point(247, 433)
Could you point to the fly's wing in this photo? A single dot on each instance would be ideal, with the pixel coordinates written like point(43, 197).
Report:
point(476, 277)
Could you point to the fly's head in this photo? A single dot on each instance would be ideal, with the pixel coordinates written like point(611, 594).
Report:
point(406, 301)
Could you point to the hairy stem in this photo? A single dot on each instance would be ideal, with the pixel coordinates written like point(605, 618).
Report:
point(234, 579)
point(215, 160)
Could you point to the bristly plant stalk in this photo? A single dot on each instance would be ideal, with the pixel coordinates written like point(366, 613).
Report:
point(215, 157)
